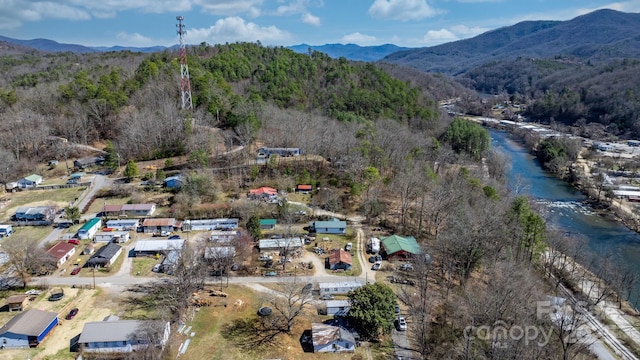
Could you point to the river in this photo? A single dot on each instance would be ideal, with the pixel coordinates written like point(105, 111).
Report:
point(565, 208)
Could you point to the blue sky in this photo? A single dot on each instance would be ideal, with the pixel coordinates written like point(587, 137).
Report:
point(413, 23)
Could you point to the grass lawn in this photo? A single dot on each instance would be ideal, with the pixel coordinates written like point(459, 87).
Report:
point(59, 197)
point(29, 233)
point(215, 338)
point(99, 203)
point(141, 266)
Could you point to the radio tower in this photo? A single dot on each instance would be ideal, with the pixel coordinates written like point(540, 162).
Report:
point(185, 83)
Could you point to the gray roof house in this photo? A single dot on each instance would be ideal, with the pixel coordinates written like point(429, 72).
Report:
point(27, 329)
point(334, 226)
point(327, 338)
point(122, 336)
point(104, 256)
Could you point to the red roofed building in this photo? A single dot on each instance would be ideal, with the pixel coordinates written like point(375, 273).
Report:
point(339, 259)
point(305, 189)
point(263, 193)
point(62, 251)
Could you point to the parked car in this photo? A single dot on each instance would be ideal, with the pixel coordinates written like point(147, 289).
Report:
point(327, 297)
point(174, 237)
point(372, 259)
point(402, 323)
point(165, 233)
point(72, 314)
point(74, 241)
point(348, 247)
point(378, 257)
point(271, 273)
point(76, 270)
point(265, 257)
point(376, 266)
point(406, 267)
point(397, 308)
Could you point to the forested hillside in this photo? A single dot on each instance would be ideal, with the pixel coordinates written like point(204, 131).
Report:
point(132, 99)
point(582, 72)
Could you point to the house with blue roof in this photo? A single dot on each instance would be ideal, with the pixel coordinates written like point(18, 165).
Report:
point(334, 226)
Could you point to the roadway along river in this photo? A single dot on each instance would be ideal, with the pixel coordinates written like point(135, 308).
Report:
point(565, 208)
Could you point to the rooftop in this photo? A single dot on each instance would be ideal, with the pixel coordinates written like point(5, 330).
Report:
point(326, 334)
point(394, 243)
point(338, 256)
point(60, 250)
point(159, 222)
point(31, 322)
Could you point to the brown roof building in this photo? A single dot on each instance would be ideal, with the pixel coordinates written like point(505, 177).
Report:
point(339, 259)
point(62, 251)
point(17, 302)
point(159, 224)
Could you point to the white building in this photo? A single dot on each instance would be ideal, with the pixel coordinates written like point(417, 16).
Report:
point(338, 287)
point(112, 236)
point(338, 307)
point(210, 224)
point(327, 338)
point(6, 230)
point(123, 224)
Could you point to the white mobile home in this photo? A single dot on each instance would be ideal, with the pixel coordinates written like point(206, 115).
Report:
point(112, 236)
point(338, 287)
point(210, 224)
point(88, 230)
point(124, 224)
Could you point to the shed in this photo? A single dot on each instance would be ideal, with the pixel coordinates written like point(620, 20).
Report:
point(28, 329)
point(338, 287)
point(88, 230)
point(304, 189)
point(268, 224)
point(173, 182)
point(334, 226)
point(400, 247)
point(89, 249)
point(338, 307)
point(17, 302)
point(327, 338)
point(62, 251)
point(105, 256)
point(339, 259)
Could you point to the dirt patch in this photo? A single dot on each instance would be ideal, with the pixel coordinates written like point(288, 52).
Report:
point(93, 305)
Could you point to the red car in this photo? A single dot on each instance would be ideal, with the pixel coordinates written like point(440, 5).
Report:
point(74, 241)
point(76, 270)
point(72, 314)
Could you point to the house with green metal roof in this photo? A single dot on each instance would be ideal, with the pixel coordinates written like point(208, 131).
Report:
point(88, 230)
point(400, 247)
point(30, 181)
point(268, 224)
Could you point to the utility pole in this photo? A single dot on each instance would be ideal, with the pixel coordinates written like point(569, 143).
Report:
point(185, 83)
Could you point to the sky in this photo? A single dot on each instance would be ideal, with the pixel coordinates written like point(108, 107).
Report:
point(410, 23)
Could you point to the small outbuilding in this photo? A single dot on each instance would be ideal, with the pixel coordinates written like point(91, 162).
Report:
point(304, 189)
point(338, 307)
point(28, 329)
point(17, 302)
point(327, 338)
point(268, 224)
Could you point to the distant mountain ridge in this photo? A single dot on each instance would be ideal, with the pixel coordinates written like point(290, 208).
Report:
point(602, 34)
point(350, 51)
point(54, 46)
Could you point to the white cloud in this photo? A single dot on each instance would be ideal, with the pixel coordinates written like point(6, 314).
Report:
point(135, 39)
point(231, 7)
point(308, 18)
point(359, 39)
point(232, 29)
point(458, 32)
point(433, 37)
point(403, 10)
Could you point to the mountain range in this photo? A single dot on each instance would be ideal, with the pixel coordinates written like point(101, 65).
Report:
point(599, 35)
point(348, 51)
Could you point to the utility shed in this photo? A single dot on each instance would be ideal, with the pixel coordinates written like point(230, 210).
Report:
point(17, 302)
point(28, 329)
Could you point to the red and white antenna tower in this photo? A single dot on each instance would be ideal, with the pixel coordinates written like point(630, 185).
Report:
point(185, 83)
